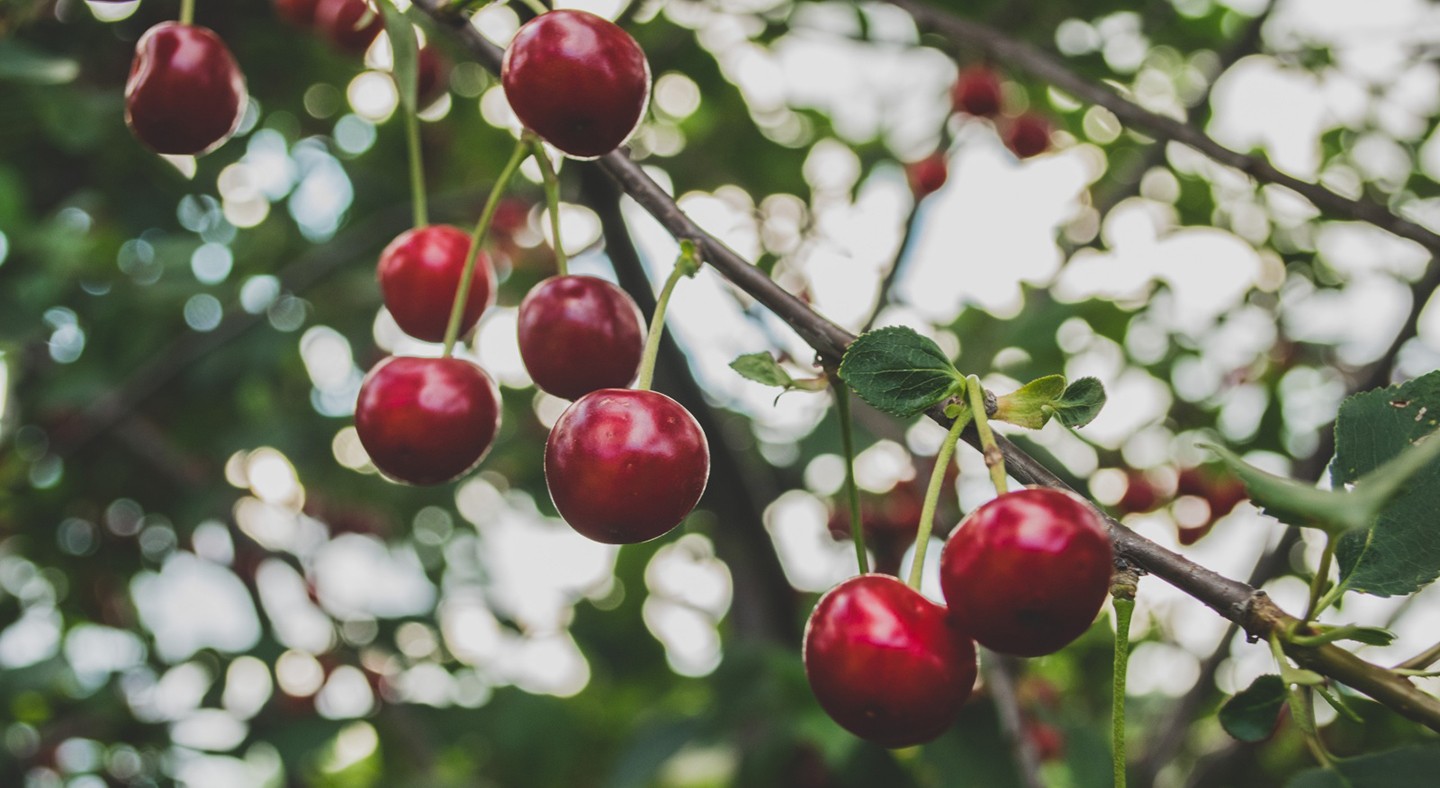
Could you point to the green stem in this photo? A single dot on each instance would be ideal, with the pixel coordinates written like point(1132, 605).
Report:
point(462, 293)
point(417, 168)
point(1317, 584)
point(857, 532)
point(686, 265)
point(552, 198)
point(1124, 608)
point(187, 12)
point(932, 496)
point(994, 459)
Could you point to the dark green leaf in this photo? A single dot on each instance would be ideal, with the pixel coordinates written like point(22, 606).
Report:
point(1401, 554)
point(1250, 715)
point(1295, 503)
point(1032, 404)
point(405, 53)
point(1407, 767)
point(899, 371)
point(1080, 403)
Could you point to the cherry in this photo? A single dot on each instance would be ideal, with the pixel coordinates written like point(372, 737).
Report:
point(185, 94)
point(297, 12)
point(625, 466)
point(927, 175)
point(427, 420)
point(1048, 740)
point(1028, 134)
point(578, 80)
point(419, 272)
point(351, 25)
point(886, 663)
point(578, 334)
point(1027, 572)
point(1140, 494)
point(977, 92)
point(431, 83)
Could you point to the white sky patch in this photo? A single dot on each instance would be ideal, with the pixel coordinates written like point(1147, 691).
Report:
point(358, 576)
point(192, 604)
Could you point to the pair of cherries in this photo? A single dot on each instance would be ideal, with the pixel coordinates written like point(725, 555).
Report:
point(1024, 574)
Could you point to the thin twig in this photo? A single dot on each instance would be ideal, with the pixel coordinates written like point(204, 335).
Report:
point(1000, 672)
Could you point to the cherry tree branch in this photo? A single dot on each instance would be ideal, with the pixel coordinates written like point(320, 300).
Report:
point(1236, 601)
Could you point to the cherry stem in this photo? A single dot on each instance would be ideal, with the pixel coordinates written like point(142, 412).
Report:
point(685, 266)
point(552, 199)
point(857, 532)
point(994, 459)
point(1317, 583)
point(187, 12)
point(1124, 608)
point(462, 293)
point(417, 168)
point(932, 497)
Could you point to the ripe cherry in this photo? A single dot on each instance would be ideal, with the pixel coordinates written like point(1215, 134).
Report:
point(578, 80)
point(185, 94)
point(432, 81)
point(297, 12)
point(886, 663)
point(625, 466)
point(351, 25)
point(419, 272)
point(1140, 495)
point(977, 92)
point(427, 420)
point(1027, 572)
point(927, 175)
point(1027, 135)
point(578, 334)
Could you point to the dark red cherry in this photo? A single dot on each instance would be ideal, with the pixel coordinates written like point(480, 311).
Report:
point(977, 92)
point(427, 420)
point(351, 25)
point(186, 93)
point(419, 272)
point(433, 79)
point(626, 466)
point(1140, 495)
point(1027, 572)
point(578, 80)
point(1027, 135)
point(297, 12)
point(886, 663)
point(927, 175)
point(578, 334)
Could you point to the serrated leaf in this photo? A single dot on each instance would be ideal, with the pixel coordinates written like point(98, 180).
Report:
point(1403, 768)
point(762, 368)
point(406, 54)
point(1401, 553)
point(1080, 403)
point(1032, 404)
point(900, 372)
point(1250, 715)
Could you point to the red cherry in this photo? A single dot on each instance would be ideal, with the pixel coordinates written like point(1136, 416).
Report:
point(1140, 494)
point(432, 81)
point(427, 420)
point(625, 466)
point(1048, 740)
point(927, 175)
point(578, 80)
point(977, 92)
point(1028, 135)
point(578, 334)
point(351, 25)
point(186, 93)
point(297, 12)
point(886, 663)
point(1027, 572)
point(419, 272)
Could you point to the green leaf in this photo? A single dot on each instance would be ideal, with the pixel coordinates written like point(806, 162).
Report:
point(1032, 404)
point(1370, 636)
point(20, 62)
point(1403, 768)
point(899, 371)
point(1250, 715)
point(762, 368)
point(1080, 403)
point(1295, 503)
point(406, 54)
point(1401, 553)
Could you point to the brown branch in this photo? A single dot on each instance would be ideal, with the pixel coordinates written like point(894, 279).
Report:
point(1000, 672)
point(1234, 600)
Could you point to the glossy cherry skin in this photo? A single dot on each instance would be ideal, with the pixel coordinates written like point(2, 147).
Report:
point(432, 80)
point(1027, 135)
point(626, 466)
point(419, 273)
point(351, 25)
point(886, 663)
point(977, 92)
point(1027, 572)
point(579, 334)
point(297, 12)
point(927, 175)
point(578, 80)
point(427, 420)
point(186, 94)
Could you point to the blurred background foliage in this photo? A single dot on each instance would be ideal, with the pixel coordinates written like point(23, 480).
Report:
point(203, 581)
